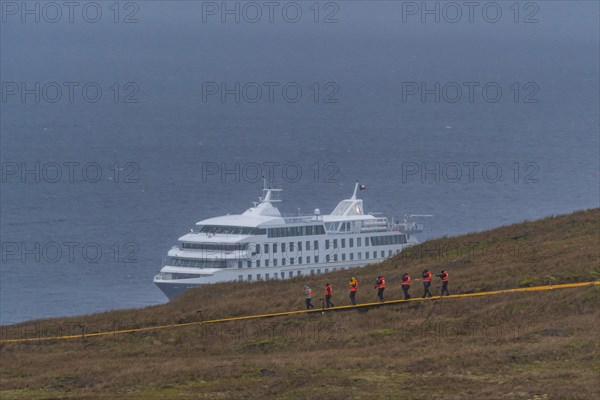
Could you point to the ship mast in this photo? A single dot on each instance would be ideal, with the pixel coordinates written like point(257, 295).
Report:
point(355, 191)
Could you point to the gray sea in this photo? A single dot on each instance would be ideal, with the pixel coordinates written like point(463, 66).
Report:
point(124, 123)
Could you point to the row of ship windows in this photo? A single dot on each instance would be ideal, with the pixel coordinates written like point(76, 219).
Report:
point(283, 274)
point(267, 276)
point(186, 262)
point(215, 246)
point(232, 230)
point(306, 230)
point(328, 258)
point(374, 241)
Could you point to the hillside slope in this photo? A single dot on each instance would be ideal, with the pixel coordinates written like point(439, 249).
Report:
point(514, 346)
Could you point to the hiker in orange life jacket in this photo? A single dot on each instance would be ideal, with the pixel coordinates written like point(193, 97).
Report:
point(353, 285)
point(308, 294)
point(406, 286)
point(444, 276)
point(426, 282)
point(380, 285)
point(328, 294)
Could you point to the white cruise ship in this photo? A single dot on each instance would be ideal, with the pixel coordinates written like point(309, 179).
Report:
point(262, 244)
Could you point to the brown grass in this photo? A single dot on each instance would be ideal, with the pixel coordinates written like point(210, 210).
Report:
point(515, 346)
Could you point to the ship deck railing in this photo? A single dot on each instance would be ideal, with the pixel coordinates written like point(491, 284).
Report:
point(407, 227)
point(301, 219)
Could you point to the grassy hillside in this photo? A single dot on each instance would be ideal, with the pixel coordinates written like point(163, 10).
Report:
point(514, 346)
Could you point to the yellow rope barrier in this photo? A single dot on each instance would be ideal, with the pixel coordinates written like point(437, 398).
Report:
point(286, 313)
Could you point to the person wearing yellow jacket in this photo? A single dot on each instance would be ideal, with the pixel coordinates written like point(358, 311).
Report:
point(353, 285)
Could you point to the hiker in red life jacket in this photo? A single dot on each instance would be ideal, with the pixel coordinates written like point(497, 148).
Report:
point(353, 285)
point(380, 285)
point(426, 282)
point(308, 295)
point(328, 294)
point(444, 276)
point(406, 286)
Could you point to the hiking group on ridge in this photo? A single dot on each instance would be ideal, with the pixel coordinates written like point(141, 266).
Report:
point(380, 285)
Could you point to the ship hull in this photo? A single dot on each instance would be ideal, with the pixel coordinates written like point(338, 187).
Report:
point(174, 290)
